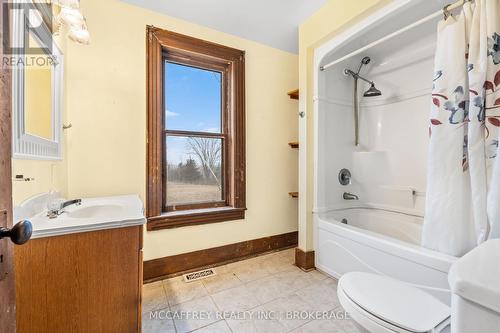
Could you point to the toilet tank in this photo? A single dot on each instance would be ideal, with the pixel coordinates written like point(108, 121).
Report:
point(475, 285)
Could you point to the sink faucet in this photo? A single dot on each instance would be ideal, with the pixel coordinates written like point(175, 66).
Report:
point(57, 207)
point(350, 196)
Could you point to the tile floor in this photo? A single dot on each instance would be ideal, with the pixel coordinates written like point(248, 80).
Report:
point(262, 294)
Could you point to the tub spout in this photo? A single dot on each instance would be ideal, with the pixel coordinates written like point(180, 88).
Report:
point(350, 196)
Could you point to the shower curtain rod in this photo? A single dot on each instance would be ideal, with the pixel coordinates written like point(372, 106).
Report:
point(445, 11)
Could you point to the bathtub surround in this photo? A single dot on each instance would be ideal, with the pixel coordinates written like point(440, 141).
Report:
point(381, 232)
point(463, 179)
point(325, 24)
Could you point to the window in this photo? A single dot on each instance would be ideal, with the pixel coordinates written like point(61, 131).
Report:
point(196, 133)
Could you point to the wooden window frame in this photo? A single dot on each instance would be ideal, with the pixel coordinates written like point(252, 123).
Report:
point(163, 45)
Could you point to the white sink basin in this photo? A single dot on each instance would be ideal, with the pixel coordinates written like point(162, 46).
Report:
point(93, 214)
point(97, 211)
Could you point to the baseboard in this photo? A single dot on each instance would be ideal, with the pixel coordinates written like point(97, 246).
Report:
point(162, 268)
point(304, 260)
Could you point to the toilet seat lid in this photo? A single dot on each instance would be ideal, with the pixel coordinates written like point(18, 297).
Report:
point(394, 301)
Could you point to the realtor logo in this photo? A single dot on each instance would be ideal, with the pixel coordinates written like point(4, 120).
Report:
point(31, 23)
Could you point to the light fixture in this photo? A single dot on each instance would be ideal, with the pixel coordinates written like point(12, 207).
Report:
point(67, 3)
point(81, 36)
point(73, 19)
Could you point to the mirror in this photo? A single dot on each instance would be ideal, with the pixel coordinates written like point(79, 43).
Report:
point(37, 90)
point(38, 95)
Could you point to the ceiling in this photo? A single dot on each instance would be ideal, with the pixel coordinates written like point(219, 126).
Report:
point(271, 22)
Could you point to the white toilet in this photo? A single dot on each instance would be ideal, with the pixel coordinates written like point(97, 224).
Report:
point(385, 305)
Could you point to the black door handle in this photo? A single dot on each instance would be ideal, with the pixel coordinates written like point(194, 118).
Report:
point(19, 234)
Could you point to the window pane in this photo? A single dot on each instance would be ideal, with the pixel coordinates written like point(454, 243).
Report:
point(192, 99)
point(194, 170)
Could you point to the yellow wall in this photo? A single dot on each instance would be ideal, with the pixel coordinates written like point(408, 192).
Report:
point(334, 17)
point(106, 94)
point(48, 175)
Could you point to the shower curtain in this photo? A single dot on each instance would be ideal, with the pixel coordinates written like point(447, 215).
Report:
point(463, 175)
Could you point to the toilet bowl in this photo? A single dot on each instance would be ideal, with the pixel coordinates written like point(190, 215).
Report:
point(385, 305)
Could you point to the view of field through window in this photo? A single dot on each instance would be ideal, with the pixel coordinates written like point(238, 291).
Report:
point(193, 163)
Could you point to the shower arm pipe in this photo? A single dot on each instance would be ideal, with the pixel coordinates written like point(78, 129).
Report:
point(396, 33)
point(357, 76)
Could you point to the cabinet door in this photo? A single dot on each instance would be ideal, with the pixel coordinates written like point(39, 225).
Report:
point(80, 283)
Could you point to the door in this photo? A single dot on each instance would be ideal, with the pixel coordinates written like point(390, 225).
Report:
point(7, 285)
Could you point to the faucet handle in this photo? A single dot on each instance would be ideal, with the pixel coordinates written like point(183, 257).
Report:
point(344, 177)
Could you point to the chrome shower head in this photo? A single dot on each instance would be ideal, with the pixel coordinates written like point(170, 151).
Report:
point(365, 61)
point(372, 92)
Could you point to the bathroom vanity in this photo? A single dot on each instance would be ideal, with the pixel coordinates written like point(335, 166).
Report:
point(82, 271)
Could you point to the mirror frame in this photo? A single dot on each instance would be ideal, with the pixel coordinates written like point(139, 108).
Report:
point(25, 145)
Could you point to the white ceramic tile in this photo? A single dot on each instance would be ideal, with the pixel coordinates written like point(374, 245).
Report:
point(276, 264)
point(349, 326)
point(218, 327)
point(191, 315)
point(256, 326)
point(318, 275)
point(153, 297)
point(250, 270)
point(322, 296)
point(291, 310)
point(179, 291)
point(319, 326)
point(295, 279)
point(155, 325)
point(267, 289)
point(221, 269)
point(289, 253)
point(221, 282)
point(256, 320)
point(235, 299)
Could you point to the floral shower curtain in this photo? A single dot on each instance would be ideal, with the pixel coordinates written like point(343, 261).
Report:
point(463, 182)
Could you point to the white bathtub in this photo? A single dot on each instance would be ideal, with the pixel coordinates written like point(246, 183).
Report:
point(381, 242)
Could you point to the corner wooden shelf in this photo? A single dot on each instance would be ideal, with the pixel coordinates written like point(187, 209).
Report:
point(294, 94)
point(294, 194)
point(294, 144)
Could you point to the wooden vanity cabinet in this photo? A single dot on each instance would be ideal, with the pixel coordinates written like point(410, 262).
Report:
point(87, 282)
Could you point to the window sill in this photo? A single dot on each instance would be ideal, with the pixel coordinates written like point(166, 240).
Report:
point(194, 217)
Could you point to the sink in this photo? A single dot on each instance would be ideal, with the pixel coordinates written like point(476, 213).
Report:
point(92, 214)
point(96, 211)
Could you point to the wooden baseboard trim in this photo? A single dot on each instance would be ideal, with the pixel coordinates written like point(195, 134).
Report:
point(304, 260)
point(166, 267)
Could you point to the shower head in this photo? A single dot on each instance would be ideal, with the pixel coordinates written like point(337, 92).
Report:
point(372, 92)
point(365, 61)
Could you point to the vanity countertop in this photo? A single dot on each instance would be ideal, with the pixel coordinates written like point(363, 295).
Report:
point(93, 214)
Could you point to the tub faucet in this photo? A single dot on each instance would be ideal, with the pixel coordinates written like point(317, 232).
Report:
point(56, 208)
point(350, 196)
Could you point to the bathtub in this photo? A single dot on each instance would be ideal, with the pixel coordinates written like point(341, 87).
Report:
point(382, 242)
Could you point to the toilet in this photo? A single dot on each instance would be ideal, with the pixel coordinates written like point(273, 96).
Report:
point(382, 304)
